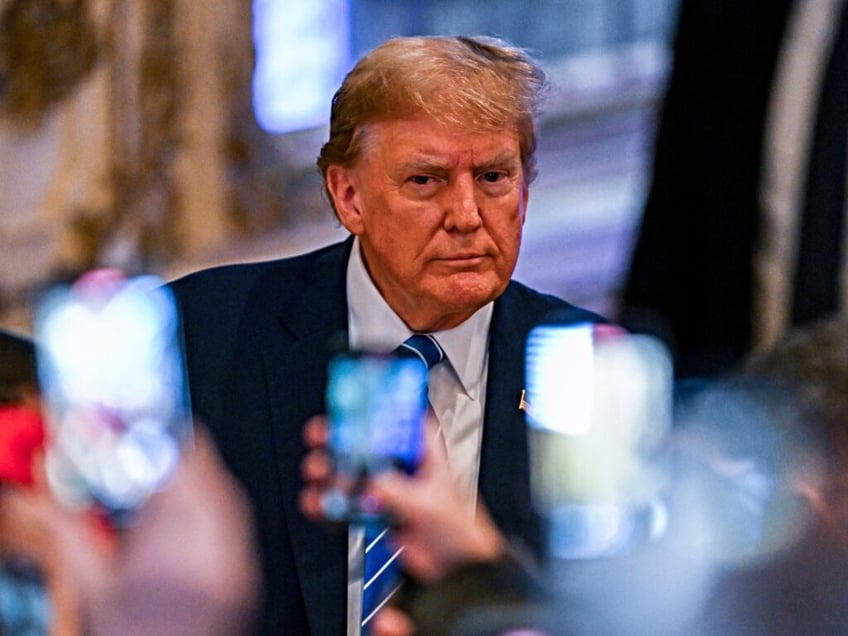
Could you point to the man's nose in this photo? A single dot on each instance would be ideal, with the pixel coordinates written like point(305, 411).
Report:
point(462, 205)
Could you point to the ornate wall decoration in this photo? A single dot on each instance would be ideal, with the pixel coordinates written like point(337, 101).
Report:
point(145, 104)
point(46, 47)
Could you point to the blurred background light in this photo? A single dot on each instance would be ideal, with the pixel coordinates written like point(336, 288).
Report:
point(302, 54)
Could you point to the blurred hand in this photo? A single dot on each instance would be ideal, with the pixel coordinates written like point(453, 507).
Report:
point(187, 564)
point(391, 621)
point(437, 526)
point(316, 469)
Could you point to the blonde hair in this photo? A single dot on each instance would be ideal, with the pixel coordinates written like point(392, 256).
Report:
point(479, 83)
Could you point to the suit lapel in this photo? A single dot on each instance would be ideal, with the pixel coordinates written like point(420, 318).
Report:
point(296, 362)
point(504, 464)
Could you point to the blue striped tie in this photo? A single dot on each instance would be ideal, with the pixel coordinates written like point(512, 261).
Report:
point(382, 568)
point(425, 347)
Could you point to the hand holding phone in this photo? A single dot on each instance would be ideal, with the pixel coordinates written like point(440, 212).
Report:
point(599, 413)
point(376, 406)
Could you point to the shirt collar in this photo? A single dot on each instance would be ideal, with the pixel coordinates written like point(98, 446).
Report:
point(372, 324)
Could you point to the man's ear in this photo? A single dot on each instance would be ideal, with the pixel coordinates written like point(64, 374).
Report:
point(342, 187)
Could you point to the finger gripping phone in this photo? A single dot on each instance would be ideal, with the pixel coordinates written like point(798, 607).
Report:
point(377, 406)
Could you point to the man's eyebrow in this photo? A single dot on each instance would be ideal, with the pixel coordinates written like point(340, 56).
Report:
point(508, 158)
point(503, 159)
point(424, 165)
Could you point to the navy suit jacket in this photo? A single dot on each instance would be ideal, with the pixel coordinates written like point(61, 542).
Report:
point(257, 340)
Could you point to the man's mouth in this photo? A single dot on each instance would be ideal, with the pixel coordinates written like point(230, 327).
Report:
point(464, 256)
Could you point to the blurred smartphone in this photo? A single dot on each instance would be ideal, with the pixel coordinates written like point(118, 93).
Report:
point(599, 407)
point(115, 394)
point(377, 407)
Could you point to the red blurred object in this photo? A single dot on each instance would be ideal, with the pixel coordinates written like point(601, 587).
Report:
point(21, 436)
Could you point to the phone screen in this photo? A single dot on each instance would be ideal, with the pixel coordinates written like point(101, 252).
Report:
point(111, 371)
point(377, 407)
point(599, 405)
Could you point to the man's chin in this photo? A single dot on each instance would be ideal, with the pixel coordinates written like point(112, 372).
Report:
point(470, 293)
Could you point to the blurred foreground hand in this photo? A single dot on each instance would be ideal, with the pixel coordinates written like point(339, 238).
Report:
point(440, 529)
point(187, 564)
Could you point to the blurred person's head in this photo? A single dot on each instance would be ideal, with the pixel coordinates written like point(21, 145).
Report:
point(429, 159)
point(812, 363)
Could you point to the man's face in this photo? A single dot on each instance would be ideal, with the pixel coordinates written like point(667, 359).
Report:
point(438, 211)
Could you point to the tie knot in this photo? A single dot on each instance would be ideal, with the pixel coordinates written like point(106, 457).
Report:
point(425, 347)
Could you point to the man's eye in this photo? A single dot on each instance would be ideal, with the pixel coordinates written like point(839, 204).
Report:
point(492, 176)
point(420, 179)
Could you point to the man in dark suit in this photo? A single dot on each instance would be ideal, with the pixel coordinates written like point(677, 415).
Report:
point(428, 164)
point(729, 255)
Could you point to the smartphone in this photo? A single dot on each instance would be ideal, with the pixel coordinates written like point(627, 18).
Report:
point(114, 388)
point(377, 407)
point(599, 408)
